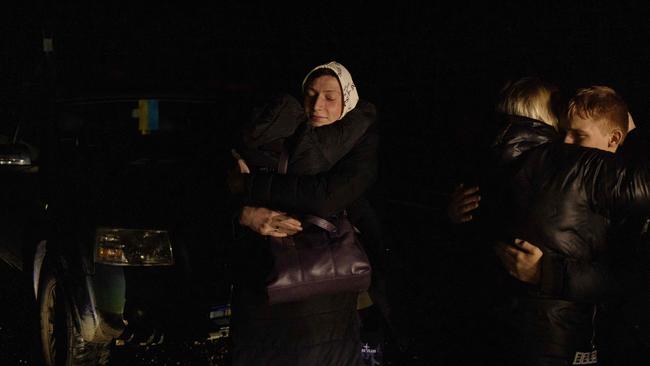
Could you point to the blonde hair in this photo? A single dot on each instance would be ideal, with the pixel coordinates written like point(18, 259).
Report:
point(529, 97)
point(600, 103)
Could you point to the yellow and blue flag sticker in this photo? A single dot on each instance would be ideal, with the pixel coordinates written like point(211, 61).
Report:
point(148, 115)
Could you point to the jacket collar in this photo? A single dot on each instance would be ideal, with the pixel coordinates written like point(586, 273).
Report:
point(519, 135)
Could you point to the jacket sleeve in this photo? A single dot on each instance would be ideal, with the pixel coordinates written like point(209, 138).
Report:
point(636, 147)
point(277, 118)
point(321, 194)
point(617, 188)
point(336, 139)
point(595, 282)
point(614, 187)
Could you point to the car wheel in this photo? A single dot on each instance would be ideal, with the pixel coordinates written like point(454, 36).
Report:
point(61, 342)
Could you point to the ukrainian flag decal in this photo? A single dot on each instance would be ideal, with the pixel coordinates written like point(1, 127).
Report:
point(148, 115)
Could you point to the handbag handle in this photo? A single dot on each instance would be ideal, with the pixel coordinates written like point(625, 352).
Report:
point(320, 222)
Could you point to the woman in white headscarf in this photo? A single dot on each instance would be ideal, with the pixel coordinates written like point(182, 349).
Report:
point(332, 161)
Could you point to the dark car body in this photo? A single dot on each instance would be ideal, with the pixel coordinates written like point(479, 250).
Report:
point(101, 165)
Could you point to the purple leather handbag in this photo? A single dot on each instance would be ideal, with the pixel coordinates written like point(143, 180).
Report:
point(325, 258)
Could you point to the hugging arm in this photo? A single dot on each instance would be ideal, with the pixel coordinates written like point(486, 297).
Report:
point(322, 194)
point(597, 281)
point(616, 188)
point(336, 139)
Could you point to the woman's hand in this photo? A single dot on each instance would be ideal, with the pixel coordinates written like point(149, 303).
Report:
point(268, 222)
point(522, 260)
point(241, 163)
point(243, 168)
point(461, 204)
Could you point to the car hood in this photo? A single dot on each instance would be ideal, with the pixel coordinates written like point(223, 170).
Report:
point(183, 197)
point(148, 194)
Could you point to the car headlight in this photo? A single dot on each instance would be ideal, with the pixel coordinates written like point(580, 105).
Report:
point(127, 247)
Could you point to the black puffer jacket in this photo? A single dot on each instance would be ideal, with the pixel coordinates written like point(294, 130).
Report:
point(282, 123)
point(330, 168)
point(321, 194)
point(623, 320)
point(561, 197)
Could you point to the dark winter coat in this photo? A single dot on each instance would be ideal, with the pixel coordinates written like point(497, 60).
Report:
point(623, 320)
point(282, 123)
point(329, 170)
point(561, 197)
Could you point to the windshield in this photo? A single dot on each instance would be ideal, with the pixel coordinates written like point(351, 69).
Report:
point(132, 130)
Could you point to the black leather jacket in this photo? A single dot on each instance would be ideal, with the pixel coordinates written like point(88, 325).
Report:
point(562, 198)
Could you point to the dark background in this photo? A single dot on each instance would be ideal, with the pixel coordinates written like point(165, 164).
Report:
point(433, 69)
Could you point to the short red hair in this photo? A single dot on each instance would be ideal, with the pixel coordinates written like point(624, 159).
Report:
point(600, 103)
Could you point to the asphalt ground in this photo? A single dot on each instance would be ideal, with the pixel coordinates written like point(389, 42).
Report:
point(16, 344)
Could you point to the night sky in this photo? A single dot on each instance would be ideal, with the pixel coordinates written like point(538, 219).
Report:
point(433, 69)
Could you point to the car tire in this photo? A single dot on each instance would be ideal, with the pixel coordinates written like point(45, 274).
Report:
point(61, 342)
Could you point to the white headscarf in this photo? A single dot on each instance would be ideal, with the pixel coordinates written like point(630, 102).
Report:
point(349, 90)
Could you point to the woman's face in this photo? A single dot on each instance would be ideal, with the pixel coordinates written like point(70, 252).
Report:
point(323, 100)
